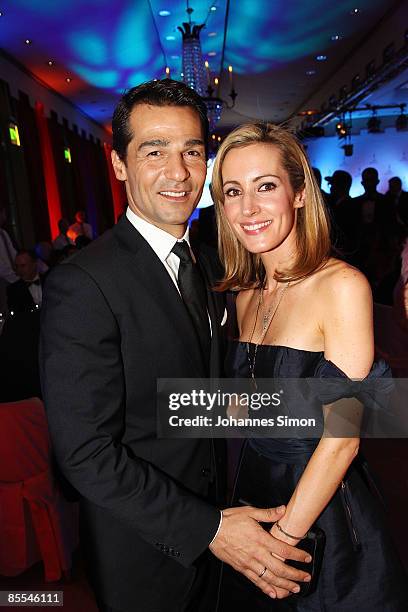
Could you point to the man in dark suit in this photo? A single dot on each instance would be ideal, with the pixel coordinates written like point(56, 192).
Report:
point(397, 200)
point(343, 214)
point(116, 317)
point(25, 295)
point(371, 205)
point(20, 335)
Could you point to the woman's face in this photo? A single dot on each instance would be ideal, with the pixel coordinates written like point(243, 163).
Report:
point(259, 200)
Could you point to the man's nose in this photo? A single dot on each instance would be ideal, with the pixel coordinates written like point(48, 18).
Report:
point(176, 168)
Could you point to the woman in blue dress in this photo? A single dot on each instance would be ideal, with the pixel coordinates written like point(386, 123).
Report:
point(301, 313)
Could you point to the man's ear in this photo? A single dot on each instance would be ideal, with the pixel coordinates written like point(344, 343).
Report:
point(299, 199)
point(119, 166)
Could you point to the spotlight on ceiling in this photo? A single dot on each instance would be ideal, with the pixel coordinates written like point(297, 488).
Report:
point(28, 41)
point(374, 125)
point(341, 129)
point(164, 13)
point(401, 123)
point(348, 149)
point(321, 58)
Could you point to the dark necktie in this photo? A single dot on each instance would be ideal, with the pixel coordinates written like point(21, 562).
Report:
point(194, 294)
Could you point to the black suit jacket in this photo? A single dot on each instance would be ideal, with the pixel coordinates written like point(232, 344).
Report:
point(19, 298)
point(112, 323)
point(402, 207)
point(383, 214)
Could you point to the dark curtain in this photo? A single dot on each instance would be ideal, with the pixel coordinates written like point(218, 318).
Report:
point(65, 175)
point(35, 172)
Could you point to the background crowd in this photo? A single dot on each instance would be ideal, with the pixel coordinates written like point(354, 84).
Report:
point(369, 231)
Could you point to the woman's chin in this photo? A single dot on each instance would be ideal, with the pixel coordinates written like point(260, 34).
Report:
point(257, 247)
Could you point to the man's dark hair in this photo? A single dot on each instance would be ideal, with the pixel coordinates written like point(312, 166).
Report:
point(396, 180)
point(155, 93)
point(30, 252)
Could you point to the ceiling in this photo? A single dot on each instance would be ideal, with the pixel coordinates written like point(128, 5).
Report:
point(104, 47)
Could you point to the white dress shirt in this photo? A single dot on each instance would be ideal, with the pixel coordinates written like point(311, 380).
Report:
point(161, 242)
point(36, 292)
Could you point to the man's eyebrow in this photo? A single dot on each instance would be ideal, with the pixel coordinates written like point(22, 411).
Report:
point(193, 142)
point(153, 143)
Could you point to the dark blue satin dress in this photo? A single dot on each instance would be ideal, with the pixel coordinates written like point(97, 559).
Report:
point(361, 571)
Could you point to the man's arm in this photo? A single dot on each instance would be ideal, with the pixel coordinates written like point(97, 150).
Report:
point(84, 394)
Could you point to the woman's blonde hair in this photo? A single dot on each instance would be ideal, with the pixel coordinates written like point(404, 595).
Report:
point(244, 270)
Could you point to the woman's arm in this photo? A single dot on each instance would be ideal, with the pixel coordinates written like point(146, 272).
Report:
point(347, 327)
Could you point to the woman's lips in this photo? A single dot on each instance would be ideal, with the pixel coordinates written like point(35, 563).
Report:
point(253, 229)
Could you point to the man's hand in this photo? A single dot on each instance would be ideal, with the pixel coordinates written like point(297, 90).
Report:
point(248, 548)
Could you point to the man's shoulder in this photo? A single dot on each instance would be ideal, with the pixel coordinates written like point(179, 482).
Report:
point(16, 286)
point(93, 262)
point(104, 258)
point(97, 255)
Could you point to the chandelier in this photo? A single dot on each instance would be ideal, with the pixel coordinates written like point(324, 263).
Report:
point(196, 72)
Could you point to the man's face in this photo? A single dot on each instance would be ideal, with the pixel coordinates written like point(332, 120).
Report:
point(26, 267)
point(370, 181)
point(395, 186)
point(165, 167)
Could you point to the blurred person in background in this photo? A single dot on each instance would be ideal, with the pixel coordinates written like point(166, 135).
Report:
point(80, 227)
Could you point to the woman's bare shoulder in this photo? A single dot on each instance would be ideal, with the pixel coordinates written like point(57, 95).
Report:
point(340, 278)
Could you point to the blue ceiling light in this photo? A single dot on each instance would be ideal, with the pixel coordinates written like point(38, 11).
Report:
point(164, 13)
point(310, 72)
point(213, 8)
point(321, 58)
point(335, 37)
point(170, 37)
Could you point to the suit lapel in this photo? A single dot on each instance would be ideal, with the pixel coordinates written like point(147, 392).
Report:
point(151, 273)
point(26, 297)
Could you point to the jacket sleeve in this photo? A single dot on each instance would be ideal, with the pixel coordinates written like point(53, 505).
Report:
point(84, 393)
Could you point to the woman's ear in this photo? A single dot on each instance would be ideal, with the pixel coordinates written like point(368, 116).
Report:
point(119, 166)
point(299, 199)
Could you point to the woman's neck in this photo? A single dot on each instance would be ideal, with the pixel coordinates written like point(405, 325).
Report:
point(280, 258)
